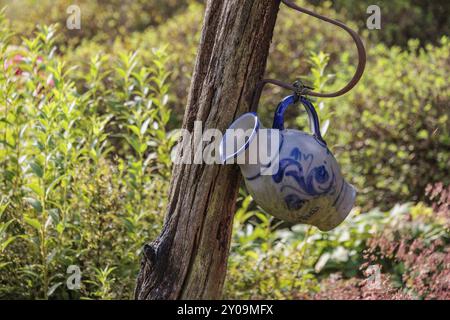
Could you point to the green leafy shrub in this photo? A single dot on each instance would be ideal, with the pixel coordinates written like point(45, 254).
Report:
point(288, 58)
point(100, 20)
point(83, 172)
point(401, 20)
point(392, 130)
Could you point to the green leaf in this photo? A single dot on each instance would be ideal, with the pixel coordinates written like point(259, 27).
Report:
point(134, 129)
point(60, 227)
point(4, 120)
point(135, 144)
point(143, 147)
point(33, 222)
point(3, 207)
point(93, 154)
point(9, 175)
point(36, 188)
point(36, 204)
point(128, 224)
point(5, 243)
point(4, 226)
point(54, 214)
point(37, 169)
point(53, 184)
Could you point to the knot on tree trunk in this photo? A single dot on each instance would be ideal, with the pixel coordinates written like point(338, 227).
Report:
point(149, 261)
point(149, 253)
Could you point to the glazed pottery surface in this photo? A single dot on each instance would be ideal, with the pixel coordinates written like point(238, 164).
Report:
point(307, 185)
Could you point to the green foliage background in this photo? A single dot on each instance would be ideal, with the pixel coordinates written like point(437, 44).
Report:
point(88, 120)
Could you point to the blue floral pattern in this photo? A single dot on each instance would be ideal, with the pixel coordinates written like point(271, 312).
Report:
point(311, 182)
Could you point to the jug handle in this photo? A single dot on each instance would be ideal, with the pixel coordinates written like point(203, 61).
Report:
point(278, 121)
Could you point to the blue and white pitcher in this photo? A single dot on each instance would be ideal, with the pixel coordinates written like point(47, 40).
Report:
point(307, 185)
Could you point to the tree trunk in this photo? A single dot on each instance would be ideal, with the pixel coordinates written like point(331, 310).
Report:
point(189, 258)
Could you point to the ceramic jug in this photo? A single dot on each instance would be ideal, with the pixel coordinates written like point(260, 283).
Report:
point(306, 185)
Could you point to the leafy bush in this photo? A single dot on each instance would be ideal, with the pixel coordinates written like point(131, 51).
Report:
point(103, 20)
point(401, 20)
point(83, 179)
point(179, 43)
point(408, 244)
point(288, 58)
point(393, 128)
point(100, 20)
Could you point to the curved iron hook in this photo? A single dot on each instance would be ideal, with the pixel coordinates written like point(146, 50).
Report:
point(307, 91)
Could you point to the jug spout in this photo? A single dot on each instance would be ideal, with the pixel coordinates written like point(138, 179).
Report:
point(238, 138)
point(254, 148)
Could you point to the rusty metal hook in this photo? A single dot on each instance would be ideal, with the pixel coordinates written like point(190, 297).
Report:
point(307, 91)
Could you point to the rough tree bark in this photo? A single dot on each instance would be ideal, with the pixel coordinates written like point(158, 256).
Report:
point(188, 260)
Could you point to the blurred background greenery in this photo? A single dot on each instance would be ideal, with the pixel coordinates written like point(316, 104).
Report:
point(88, 119)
